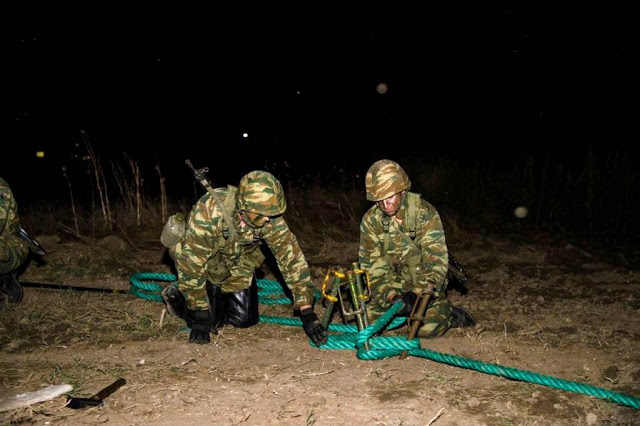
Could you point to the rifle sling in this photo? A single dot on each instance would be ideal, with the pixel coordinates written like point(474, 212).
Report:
point(225, 213)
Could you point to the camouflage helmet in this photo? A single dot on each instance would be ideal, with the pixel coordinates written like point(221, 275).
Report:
point(385, 178)
point(260, 192)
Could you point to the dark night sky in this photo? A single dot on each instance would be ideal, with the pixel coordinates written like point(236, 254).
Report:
point(473, 83)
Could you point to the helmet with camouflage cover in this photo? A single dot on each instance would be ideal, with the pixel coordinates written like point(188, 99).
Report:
point(260, 192)
point(385, 178)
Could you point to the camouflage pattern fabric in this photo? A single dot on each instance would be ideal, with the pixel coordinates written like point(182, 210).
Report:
point(385, 178)
point(407, 265)
point(260, 192)
point(13, 250)
point(203, 254)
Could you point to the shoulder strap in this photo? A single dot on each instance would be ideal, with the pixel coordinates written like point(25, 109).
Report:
point(413, 207)
point(411, 218)
point(228, 206)
point(386, 222)
point(230, 199)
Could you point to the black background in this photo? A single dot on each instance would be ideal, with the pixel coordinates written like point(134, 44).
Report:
point(489, 84)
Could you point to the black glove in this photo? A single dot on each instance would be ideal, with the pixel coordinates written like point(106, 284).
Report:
point(200, 326)
point(313, 327)
point(408, 299)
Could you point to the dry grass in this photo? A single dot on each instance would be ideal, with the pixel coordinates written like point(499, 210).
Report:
point(57, 318)
point(596, 194)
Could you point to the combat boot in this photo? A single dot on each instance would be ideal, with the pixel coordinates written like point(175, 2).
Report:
point(461, 318)
point(175, 302)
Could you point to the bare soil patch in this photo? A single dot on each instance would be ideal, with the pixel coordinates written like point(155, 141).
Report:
point(542, 305)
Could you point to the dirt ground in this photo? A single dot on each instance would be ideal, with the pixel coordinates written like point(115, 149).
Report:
point(544, 303)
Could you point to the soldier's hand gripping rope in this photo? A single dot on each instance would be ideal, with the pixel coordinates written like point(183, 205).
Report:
point(409, 299)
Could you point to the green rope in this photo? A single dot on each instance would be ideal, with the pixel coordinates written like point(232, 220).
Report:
point(381, 347)
point(149, 290)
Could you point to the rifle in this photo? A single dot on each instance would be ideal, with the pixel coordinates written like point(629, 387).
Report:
point(34, 245)
point(201, 176)
point(457, 275)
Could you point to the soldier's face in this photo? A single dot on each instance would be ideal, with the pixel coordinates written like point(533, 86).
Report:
point(255, 219)
point(391, 205)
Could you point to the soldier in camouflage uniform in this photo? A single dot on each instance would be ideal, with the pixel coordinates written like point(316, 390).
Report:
point(402, 246)
point(13, 249)
point(227, 256)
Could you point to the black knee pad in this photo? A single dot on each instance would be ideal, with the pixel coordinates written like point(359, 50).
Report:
point(215, 300)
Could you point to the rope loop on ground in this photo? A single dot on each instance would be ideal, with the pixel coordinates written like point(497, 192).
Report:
point(380, 347)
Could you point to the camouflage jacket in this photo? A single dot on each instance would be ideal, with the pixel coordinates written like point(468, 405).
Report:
point(9, 221)
point(204, 249)
point(406, 264)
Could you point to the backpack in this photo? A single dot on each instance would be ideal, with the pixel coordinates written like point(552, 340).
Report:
point(175, 228)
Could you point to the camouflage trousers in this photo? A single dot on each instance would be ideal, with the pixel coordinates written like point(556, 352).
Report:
point(438, 317)
point(13, 252)
point(219, 274)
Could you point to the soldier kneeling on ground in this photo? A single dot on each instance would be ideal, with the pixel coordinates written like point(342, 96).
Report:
point(219, 250)
point(403, 248)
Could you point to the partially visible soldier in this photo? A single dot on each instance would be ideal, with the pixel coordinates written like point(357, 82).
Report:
point(403, 247)
point(217, 256)
point(13, 249)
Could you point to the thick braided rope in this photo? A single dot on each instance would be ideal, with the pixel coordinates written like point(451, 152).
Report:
point(498, 370)
point(385, 347)
point(526, 376)
point(149, 290)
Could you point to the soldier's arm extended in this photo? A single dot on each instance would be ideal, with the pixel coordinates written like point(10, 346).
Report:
point(291, 261)
point(192, 253)
point(371, 259)
point(435, 257)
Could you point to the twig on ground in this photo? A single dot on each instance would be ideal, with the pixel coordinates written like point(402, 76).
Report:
point(162, 315)
point(436, 416)
point(68, 230)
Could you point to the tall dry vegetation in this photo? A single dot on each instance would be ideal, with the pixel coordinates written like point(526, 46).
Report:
point(596, 195)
